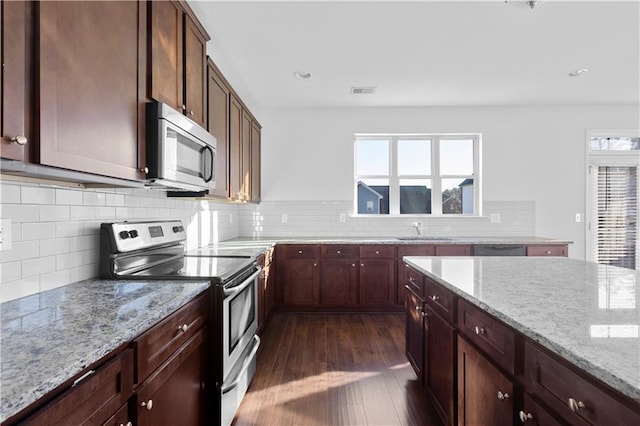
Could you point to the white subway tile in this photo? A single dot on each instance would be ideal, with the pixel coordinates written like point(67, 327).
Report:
point(69, 229)
point(20, 251)
point(20, 288)
point(122, 212)
point(38, 231)
point(10, 271)
point(39, 266)
point(93, 198)
point(82, 212)
point(84, 272)
point(55, 280)
point(9, 194)
point(53, 213)
point(68, 197)
point(21, 212)
point(85, 242)
point(37, 195)
point(115, 200)
point(16, 232)
point(69, 260)
point(90, 256)
point(54, 246)
point(106, 212)
point(92, 227)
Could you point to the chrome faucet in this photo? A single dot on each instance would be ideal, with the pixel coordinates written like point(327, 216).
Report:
point(418, 227)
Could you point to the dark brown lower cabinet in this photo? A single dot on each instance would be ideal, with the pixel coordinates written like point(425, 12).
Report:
point(439, 364)
point(533, 413)
point(377, 282)
point(485, 395)
point(414, 332)
point(300, 280)
point(174, 393)
point(339, 281)
point(120, 418)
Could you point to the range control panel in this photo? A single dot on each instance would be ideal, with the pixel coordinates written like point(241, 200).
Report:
point(130, 236)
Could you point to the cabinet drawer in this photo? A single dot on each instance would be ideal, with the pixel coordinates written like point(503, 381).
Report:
point(94, 399)
point(547, 251)
point(440, 299)
point(533, 413)
point(377, 251)
point(299, 251)
point(493, 337)
point(574, 397)
point(332, 250)
point(154, 346)
point(453, 250)
point(414, 279)
point(416, 250)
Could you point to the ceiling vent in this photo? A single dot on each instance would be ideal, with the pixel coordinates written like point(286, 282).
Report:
point(363, 90)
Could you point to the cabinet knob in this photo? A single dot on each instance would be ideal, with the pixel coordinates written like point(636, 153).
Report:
point(362, 264)
point(183, 327)
point(299, 251)
point(524, 417)
point(502, 396)
point(144, 170)
point(435, 298)
point(184, 107)
point(418, 308)
point(576, 405)
point(548, 252)
point(148, 405)
point(190, 112)
point(338, 252)
point(480, 331)
point(411, 279)
point(353, 264)
point(128, 424)
point(20, 139)
point(377, 252)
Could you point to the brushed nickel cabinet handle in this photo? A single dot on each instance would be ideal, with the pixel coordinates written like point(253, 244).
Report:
point(480, 331)
point(435, 298)
point(502, 396)
point(299, 251)
point(191, 113)
point(183, 327)
point(145, 170)
point(19, 139)
point(548, 252)
point(576, 406)
point(148, 405)
point(338, 252)
point(525, 417)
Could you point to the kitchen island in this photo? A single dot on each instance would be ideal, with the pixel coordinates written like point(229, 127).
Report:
point(554, 326)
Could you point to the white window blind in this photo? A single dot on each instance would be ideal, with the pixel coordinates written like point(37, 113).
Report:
point(615, 205)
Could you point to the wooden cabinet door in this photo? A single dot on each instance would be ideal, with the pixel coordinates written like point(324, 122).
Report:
point(414, 332)
point(245, 155)
point(339, 280)
point(485, 395)
point(195, 69)
point(13, 81)
point(255, 162)
point(270, 290)
point(300, 281)
point(174, 393)
point(235, 148)
point(439, 365)
point(218, 126)
point(165, 32)
point(377, 282)
point(91, 63)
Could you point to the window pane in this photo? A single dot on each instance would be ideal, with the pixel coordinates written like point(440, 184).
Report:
point(615, 144)
point(457, 196)
point(415, 196)
point(414, 157)
point(373, 196)
point(372, 157)
point(456, 157)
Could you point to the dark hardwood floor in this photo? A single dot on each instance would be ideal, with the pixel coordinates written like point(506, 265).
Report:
point(334, 369)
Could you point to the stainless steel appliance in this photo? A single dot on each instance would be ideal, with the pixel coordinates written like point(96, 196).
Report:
point(180, 153)
point(155, 250)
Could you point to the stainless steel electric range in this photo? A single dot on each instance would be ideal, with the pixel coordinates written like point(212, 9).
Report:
point(155, 250)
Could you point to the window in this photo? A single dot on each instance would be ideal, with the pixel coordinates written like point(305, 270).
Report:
point(417, 174)
point(612, 234)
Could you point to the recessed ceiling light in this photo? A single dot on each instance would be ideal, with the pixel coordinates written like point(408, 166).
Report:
point(578, 72)
point(303, 75)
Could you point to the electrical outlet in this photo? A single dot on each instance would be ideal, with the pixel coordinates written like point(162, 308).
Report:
point(495, 217)
point(5, 234)
point(343, 217)
point(285, 217)
point(578, 217)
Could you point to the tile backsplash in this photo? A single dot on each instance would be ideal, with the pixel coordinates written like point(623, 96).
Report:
point(54, 231)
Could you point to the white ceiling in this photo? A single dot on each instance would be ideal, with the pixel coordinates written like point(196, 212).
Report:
point(427, 53)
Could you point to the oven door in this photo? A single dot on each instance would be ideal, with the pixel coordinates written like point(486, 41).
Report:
point(239, 320)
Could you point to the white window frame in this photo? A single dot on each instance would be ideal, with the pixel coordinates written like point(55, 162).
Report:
point(594, 159)
point(434, 177)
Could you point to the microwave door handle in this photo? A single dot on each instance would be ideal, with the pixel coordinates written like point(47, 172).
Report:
point(211, 164)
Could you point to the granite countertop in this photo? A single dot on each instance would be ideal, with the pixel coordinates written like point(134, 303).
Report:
point(49, 337)
point(267, 241)
point(587, 313)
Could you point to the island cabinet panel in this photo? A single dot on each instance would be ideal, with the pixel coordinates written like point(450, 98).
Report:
point(550, 250)
point(14, 95)
point(408, 250)
point(576, 398)
point(120, 418)
point(485, 395)
point(535, 414)
point(266, 290)
point(339, 275)
point(94, 399)
point(91, 73)
point(414, 332)
point(441, 300)
point(174, 393)
point(440, 364)
point(492, 336)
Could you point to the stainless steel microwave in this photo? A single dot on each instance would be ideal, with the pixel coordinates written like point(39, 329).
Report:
point(181, 155)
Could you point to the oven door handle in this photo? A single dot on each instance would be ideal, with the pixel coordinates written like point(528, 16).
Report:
point(245, 364)
point(230, 292)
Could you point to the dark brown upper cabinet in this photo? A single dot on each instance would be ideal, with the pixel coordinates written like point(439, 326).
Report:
point(178, 58)
point(218, 125)
point(91, 62)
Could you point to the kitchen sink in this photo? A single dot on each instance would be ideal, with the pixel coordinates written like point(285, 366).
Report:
point(424, 238)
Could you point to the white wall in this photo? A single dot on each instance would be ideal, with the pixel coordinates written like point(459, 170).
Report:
point(530, 154)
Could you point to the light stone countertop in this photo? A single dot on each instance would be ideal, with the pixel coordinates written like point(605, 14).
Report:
point(48, 338)
point(587, 313)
